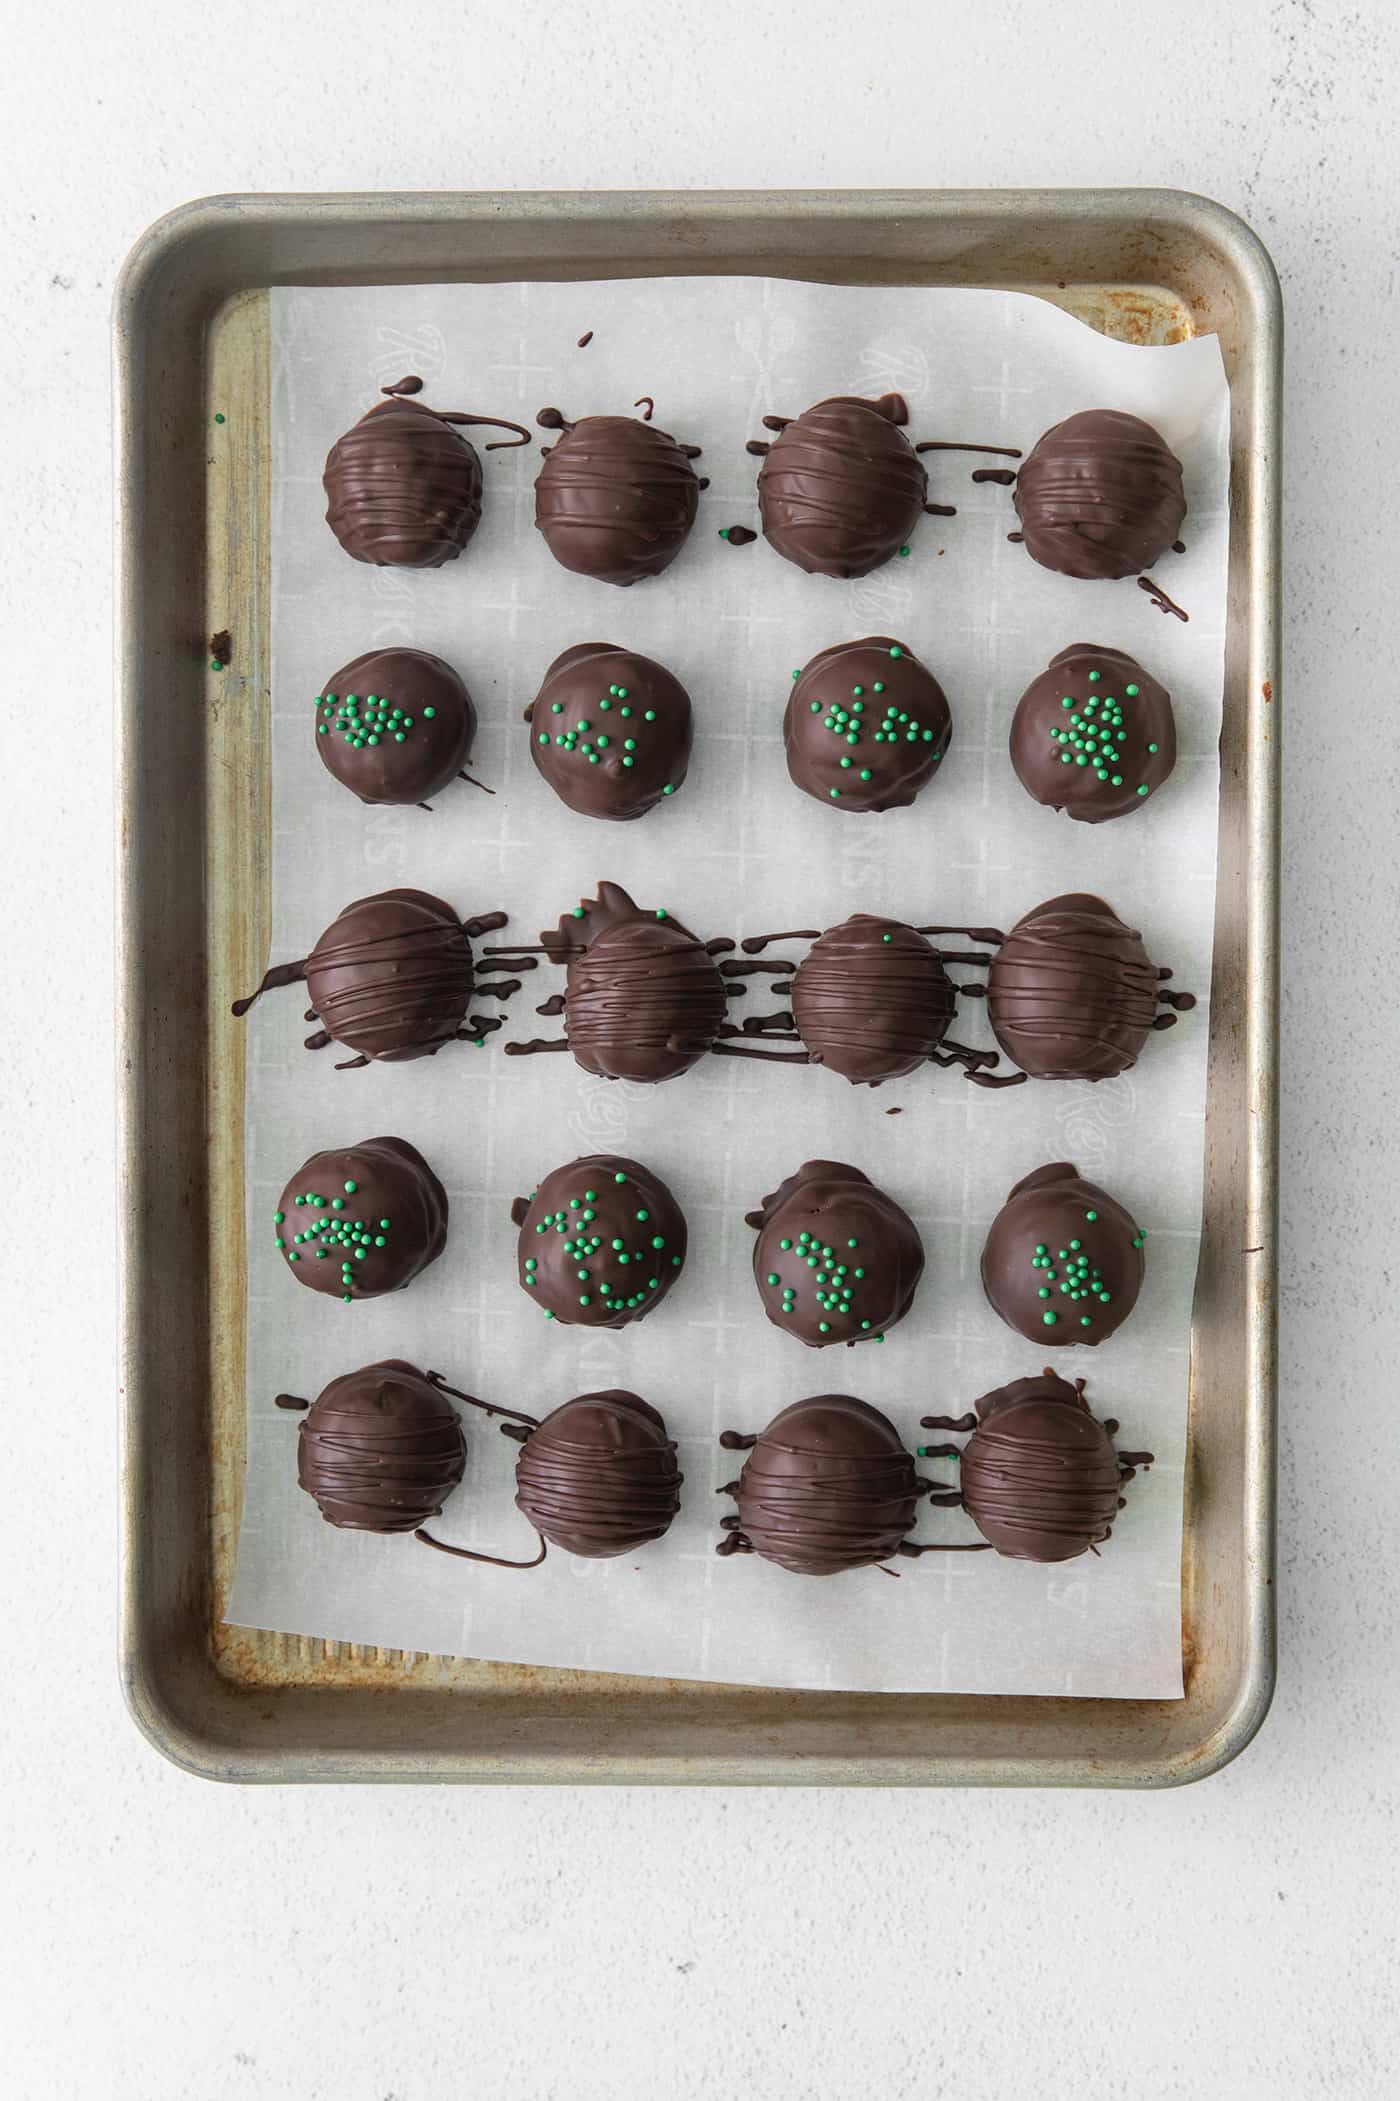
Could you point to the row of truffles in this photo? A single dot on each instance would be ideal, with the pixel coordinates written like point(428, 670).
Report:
point(828, 1487)
point(1071, 992)
point(602, 1240)
point(866, 728)
point(840, 490)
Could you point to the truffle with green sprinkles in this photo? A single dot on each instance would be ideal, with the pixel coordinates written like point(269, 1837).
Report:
point(866, 726)
point(602, 1241)
point(836, 1259)
point(610, 731)
point(1063, 1262)
point(361, 1221)
point(1094, 734)
point(394, 726)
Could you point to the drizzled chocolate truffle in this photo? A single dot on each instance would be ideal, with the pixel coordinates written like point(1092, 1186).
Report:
point(1063, 1262)
point(392, 977)
point(615, 497)
point(381, 1449)
point(403, 486)
point(872, 1000)
point(598, 1477)
point(1072, 993)
point(643, 999)
point(841, 488)
point(610, 731)
point(362, 1221)
point(1040, 1478)
point(827, 1486)
point(1100, 496)
point(601, 1242)
point(836, 1259)
point(395, 725)
point(1094, 734)
point(866, 725)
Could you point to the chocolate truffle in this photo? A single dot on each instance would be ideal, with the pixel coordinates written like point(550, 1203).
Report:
point(403, 486)
point(1072, 993)
point(601, 1242)
point(610, 730)
point(1040, 1478)
point(841, 489)
point(363, 1221)
point(392, 977)
point(395, 725)
point(827, 1486)
point(599, 1475)
point(872, 1000)
point(866, 725)
point(381, 1449)
point(615, 497)
point(836, 1260)
point(1063, 1261)
point(1093, 735)
point(1100, 496)
point(643, 998)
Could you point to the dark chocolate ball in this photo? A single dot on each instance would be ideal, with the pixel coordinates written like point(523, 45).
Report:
point(836, 1259)
point(615, 498)
point(610, 730)
point(601, 1242)
point(392, 977)
point(828, 1486)
point(1063, 1262)
point(1072, 993)
point(395, 725)
point(841, 488)
point(381, 1449)
point(1040, 1478)
point(643, 999)
point(403, 488)
point(599, 1475)
point(1100, 496)
point(1094, 734)
point(362, 1221)
point(871, 999)
point(866, 725)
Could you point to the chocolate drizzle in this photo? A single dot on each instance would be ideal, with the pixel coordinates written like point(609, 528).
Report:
point(403, 486)
point(873, 1001)
point(840, 489)
point(828, 1486)
point(1100, 496)
point(643, 998)
point(1039, 1476)
point(598, 1477)
point(615, 497)
point(381, 1449)
point(1072, 993)
point(1160, 599)
point(392, 977)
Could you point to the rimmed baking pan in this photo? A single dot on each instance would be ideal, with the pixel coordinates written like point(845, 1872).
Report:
point(192, 339)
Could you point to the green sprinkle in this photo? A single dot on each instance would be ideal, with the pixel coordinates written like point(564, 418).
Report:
point(669, 789)
point(1131, 691)
point(1142, 791)
point(773, 1277)
point(836, 795)
point(217, 417)
point(1049, 1319)
point(904, 550)
point(895, 650)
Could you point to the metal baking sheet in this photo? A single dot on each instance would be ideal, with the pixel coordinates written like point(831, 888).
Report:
point(192, 338)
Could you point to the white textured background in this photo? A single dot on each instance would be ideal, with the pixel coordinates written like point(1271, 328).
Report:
point(161, 1938)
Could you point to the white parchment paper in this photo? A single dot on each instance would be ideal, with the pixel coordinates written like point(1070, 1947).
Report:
point(738, 851)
